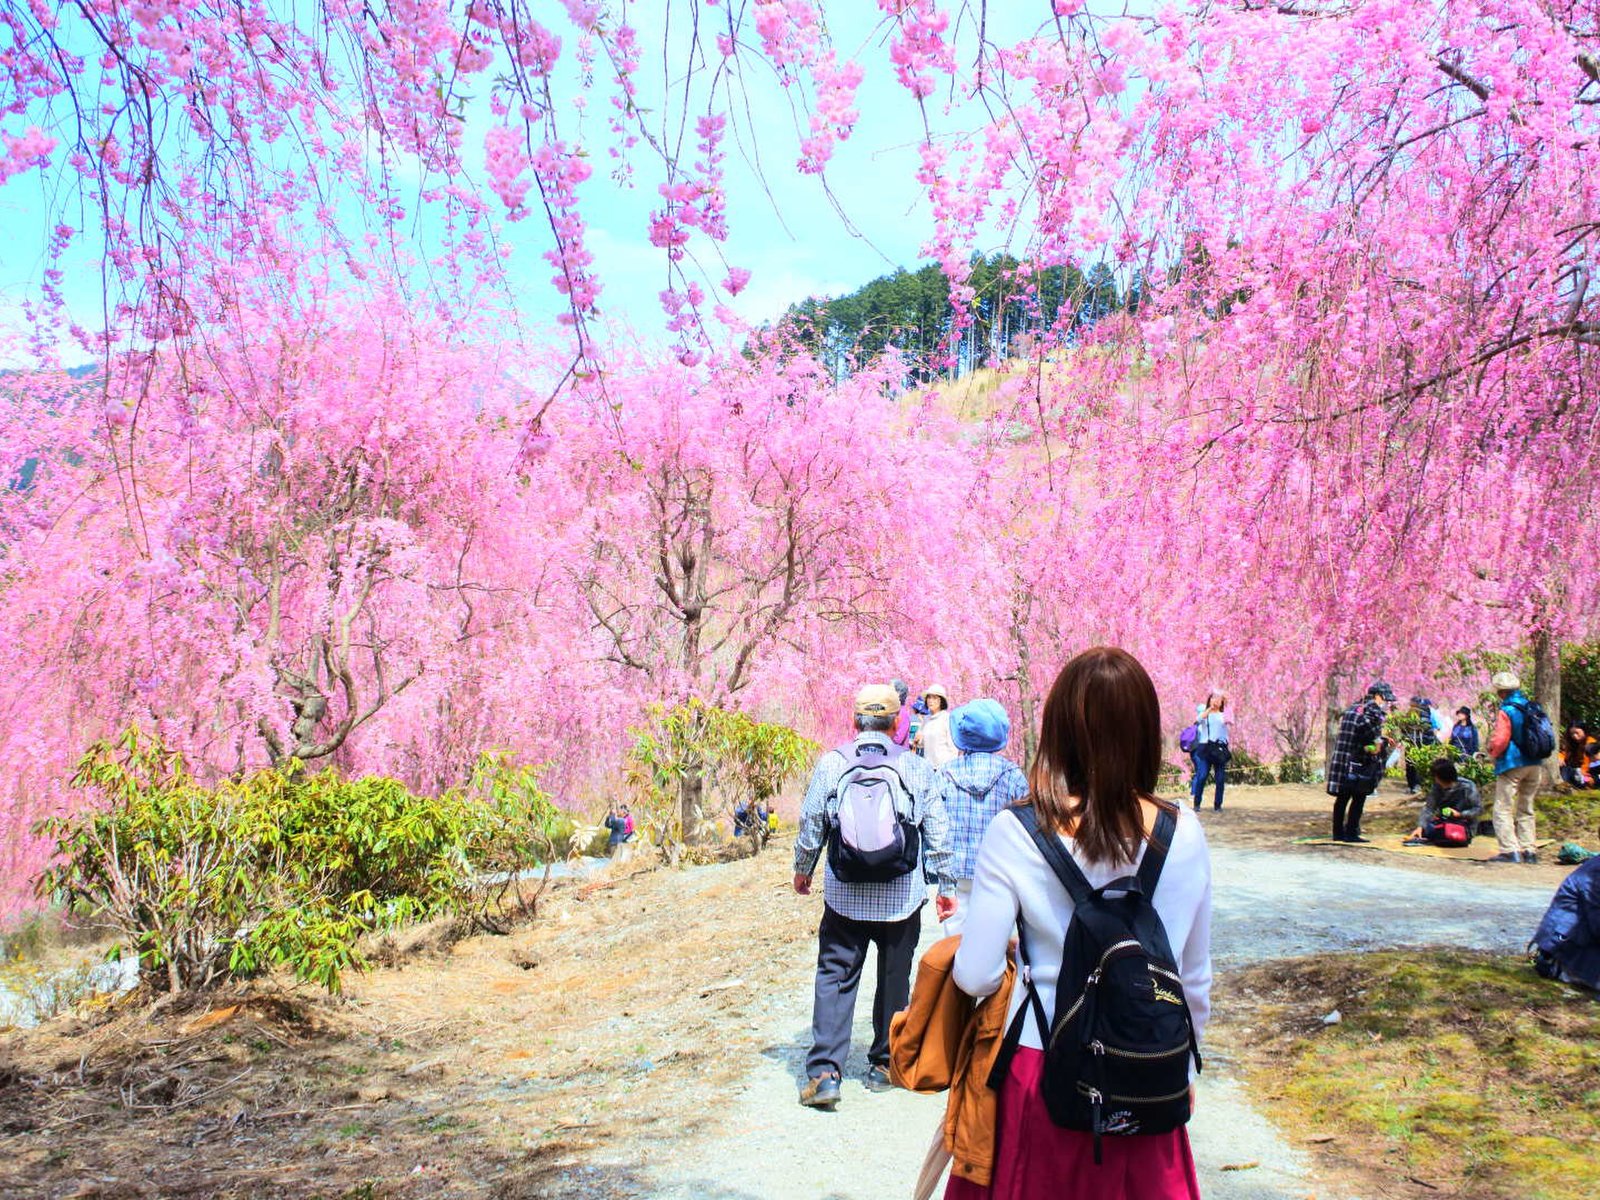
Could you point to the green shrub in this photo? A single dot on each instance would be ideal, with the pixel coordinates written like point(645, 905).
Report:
point(1294, 768)
point(274, 868)
point(1245, 767)
point(1580, 686)
point(716, 757)
point(1478, 769)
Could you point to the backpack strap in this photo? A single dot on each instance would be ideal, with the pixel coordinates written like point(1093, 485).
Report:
point(1031, 1001)
point(1155, 853)
point(1068, 872)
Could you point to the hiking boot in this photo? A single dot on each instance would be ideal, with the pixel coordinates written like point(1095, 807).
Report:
point(877, 1079)
point(1530, 856)
point(1506, 856)
point(821, 1091)
point(1356, 839)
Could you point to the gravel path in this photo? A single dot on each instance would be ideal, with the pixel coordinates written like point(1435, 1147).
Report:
point(1266, 906)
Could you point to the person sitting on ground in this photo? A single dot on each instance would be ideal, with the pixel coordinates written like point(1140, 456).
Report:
point(1567, 943)
point(1451, 800)
point(1574, 756)
point(1594, 763)
point(1464, 734)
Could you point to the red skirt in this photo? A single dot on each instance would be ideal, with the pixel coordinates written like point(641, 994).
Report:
point(1035, 1159)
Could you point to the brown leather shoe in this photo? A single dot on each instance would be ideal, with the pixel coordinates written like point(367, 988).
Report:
point(821, 1091)
point(877, 1079)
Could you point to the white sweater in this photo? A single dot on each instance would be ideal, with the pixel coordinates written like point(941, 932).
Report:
point(1012, 877)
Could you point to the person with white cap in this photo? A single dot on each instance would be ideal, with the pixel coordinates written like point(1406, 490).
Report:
point(1516, 776)
point(879, 812)
point(979, 783)
point(933, 740)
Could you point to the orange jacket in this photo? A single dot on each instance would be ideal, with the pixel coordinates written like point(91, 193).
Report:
point(945, 1039)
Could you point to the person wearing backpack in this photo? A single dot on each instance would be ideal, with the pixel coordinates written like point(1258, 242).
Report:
point(1108, 892)
point(877, 810)
point(1523, 738)
point(975, 786)
point(1211, 753)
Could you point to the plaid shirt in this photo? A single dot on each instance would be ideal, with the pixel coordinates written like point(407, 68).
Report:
point(898, 898)
point(1351, 768)
point(975, 787)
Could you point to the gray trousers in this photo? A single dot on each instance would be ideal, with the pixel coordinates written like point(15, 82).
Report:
point(841, 955)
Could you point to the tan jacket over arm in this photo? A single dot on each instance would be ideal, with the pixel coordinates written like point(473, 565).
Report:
point(943, 1040)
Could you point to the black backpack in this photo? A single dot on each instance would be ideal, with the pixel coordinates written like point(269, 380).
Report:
point(1537, 737)
point(1117, 1052)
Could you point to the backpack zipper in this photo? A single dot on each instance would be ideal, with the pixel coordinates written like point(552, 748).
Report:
point(1091, 981)
point(1099, 1047)
point(1090, 1093)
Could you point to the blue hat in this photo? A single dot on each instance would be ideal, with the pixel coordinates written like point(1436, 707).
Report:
point(980, 725)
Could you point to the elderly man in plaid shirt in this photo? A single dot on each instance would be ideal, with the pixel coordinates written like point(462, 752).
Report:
point(856, 915)
point(976, 785)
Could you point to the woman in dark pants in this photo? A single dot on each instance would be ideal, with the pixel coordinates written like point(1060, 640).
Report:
point(1357, 762)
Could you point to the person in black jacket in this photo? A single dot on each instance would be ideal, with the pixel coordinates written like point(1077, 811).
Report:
point(1358, 757)
point(1464, 734)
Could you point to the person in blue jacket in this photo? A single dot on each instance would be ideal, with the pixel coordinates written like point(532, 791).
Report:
point(1568, 939)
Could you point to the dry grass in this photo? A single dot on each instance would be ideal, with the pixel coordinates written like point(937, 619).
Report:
point(485, 1067)
point(1450, 1073)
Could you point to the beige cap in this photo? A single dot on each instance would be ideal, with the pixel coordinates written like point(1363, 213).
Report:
point(938, 690)
point(877, 700)
point(1505, 681)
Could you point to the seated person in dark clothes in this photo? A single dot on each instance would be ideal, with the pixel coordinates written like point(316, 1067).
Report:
point(1451, 799)
point(1568, 939)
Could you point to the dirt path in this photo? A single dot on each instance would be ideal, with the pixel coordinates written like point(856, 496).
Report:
point(1267, 905)
point(642, 1038)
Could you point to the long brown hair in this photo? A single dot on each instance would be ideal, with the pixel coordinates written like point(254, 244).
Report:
point(1099, 754)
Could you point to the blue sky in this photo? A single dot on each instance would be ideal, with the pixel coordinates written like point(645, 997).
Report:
point(787, 232)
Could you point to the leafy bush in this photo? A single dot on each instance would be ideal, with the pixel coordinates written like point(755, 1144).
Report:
point(1580, 686)
point(728, 758)
point(1294, 768)
point(1479, 769)
point(274, 868)
point(1245, 767)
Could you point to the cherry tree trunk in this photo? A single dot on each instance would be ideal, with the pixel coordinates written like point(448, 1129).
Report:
point(1332, 712)
point(1547, 677)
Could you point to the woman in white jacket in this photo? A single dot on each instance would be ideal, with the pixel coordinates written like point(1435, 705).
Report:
point(1092, 786)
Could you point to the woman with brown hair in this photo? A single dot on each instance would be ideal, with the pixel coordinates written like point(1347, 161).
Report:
point(1092, 788)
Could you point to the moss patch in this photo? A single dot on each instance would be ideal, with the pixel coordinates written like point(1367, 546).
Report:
point(1563, 817)
point(1571, 817)
point(1449, 1073)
